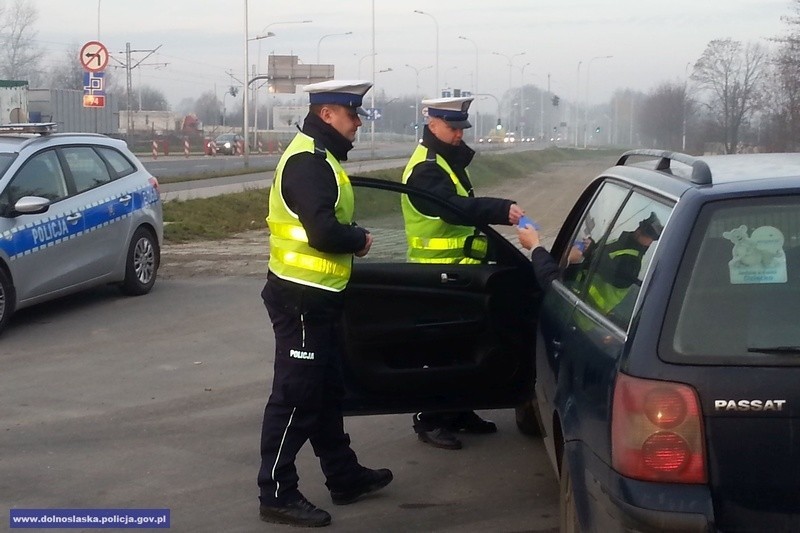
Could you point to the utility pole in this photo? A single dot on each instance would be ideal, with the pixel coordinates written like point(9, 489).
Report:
point(129, 81)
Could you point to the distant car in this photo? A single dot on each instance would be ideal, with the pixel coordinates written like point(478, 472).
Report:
point(665, 383)
point(227, 143)
point(76, 211)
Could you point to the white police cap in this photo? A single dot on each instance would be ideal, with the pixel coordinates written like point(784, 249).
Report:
point(454, 111)
point(349, 93)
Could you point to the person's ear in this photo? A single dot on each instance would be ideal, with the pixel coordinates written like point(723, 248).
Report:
point(326, 114)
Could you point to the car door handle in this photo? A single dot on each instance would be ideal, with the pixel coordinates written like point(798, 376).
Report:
point(125, 199)
point(74, 218)
point(452, 279)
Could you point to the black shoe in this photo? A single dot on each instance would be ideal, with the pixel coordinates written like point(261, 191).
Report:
point(368, 481)
point(440, 438)
point(298, 513)
point(470, 422)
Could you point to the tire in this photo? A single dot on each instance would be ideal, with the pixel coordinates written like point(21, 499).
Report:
point(141, 264)
point(568, 514)
point(527, 418)
point(7, 299)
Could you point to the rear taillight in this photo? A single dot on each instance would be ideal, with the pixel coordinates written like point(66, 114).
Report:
point(657, 431)
point(154, 182)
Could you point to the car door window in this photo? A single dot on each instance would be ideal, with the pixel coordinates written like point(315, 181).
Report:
point(40, 176)
point(620, 259)
point(87, 168)
point(118, 162)
point(592, 229)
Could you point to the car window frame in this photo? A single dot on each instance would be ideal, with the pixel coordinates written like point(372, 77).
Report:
point(132, 168)
point(69, 186)
point(567, 234)
point(62, 149)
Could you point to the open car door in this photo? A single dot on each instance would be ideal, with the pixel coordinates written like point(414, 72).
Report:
point(423, 336)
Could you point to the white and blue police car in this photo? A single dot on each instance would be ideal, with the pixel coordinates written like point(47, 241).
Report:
point(76, 210)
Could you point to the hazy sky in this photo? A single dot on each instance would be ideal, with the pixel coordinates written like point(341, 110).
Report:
point(651, 41)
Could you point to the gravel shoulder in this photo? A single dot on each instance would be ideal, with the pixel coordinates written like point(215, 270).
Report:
point(546, 196)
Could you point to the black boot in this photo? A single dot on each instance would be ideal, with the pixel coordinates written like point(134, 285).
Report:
point(297, 513)
point(470, 422)
point(367, 481)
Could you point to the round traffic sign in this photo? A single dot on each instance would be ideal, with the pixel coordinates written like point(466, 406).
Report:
point(94, 56)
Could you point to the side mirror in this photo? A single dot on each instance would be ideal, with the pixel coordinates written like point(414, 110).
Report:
point(31, 205)
point(476, 247)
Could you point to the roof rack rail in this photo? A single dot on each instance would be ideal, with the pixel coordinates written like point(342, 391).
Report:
point(701, 173)
point(42, 128)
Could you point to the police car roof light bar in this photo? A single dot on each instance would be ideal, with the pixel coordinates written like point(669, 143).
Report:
point(41, 128)
point(701, 173)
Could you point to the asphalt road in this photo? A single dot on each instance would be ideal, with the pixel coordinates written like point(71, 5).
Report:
point(156, 402)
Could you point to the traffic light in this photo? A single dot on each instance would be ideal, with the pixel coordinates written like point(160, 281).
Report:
point(499, 125)
point(555, 100)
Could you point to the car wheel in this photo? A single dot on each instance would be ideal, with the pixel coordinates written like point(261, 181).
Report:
point(528, 421)
point(141, 264)
point(7, 297)
point(568, 519)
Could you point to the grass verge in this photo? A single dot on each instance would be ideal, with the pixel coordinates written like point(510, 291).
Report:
point(228, 214)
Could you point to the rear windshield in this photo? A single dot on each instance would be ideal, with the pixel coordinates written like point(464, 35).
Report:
point(737, 299)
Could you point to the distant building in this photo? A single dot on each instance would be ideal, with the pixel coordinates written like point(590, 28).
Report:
point(154, 122)
point(13, 101)
point(65, 108)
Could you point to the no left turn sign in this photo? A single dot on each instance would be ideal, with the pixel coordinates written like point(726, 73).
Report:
point(94, 56)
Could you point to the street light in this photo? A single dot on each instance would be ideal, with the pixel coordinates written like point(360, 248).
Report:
point(575, 105)
point(362, 59)
point(372, 122)
point(510, 60)
point(436, 23)
point(586, 109)
point(329, 35)
point(263, 35)
point(522, 101)
point(475, 86)
point(416, 99)
point(255, 89)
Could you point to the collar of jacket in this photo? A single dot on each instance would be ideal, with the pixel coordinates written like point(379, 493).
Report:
point(332, 140)
point(456, 156)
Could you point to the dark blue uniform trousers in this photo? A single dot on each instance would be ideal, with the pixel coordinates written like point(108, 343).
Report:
point(305, 404)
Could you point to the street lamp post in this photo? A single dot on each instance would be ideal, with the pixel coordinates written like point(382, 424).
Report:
point(436, 23)
point(522, 101)
point(510, 59)
point(263, 35)
point(575, 105)
point(475, 85)
point(372, 122)
point(586, 109)
point(362, 59)
point(416, 99)
point(329, 35)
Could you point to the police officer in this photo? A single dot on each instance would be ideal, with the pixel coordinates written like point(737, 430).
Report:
point(620, 262)
point(312, 242)
point(434, 235)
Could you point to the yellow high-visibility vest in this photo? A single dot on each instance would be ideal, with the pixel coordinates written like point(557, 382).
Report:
point(431, 239)
point(291, 258)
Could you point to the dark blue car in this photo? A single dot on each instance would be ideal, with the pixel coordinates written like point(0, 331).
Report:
point(662, 368)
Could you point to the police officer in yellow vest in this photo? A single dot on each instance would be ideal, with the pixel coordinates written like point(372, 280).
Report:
point(434, 235)
point(312, 243)
point(619, 265)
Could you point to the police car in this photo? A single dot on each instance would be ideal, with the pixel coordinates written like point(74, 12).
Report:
point(667, 403)
point(76, 211)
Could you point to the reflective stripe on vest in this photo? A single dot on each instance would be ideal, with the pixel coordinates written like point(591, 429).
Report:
point(291, 257)
point(431, 239)
point(605, 295)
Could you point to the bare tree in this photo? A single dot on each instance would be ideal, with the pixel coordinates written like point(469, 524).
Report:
point(68, 72)
point(208, 108)
point(662, 116)
point(783, 116)
point(20, 56)
point(732, 76)
point(150, 99)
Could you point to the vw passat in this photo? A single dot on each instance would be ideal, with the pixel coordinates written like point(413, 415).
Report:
point(661, 366)
point(76, 211)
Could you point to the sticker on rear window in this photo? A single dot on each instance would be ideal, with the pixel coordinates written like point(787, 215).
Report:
point(758, 257)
